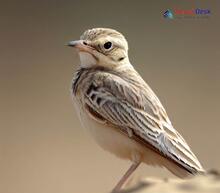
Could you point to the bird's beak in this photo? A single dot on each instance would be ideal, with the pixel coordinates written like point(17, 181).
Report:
point(80, 46)
point(75, 43)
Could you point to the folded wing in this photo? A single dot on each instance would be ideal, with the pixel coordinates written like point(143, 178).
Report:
point(135, 109)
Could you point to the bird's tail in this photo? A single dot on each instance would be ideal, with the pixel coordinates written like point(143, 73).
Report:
point(182, 172)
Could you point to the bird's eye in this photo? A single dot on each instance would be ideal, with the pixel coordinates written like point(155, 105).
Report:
point(107, 45)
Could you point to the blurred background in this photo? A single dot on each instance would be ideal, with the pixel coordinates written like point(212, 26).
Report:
point(43, 147)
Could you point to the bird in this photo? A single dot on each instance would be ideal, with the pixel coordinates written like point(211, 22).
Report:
point(120, 110)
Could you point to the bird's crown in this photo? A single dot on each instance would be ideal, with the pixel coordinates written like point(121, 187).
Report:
point(99, 33)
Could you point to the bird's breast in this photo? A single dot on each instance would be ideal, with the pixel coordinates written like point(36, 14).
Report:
point(108, 137)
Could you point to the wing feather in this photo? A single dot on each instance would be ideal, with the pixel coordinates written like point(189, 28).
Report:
point(133, 106)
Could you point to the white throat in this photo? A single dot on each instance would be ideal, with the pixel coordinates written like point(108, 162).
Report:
point(86, 59)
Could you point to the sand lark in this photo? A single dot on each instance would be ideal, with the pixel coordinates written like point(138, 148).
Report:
point(121, 111)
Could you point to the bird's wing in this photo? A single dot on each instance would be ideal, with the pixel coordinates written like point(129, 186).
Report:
point(136, 109)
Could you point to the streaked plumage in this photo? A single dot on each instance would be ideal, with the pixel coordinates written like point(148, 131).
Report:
point(122, 112)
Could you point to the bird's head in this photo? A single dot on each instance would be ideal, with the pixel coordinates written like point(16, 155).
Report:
point(102, 47)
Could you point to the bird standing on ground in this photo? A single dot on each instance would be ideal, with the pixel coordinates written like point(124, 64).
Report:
point(121, 111)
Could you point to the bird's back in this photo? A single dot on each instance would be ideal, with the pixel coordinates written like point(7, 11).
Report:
point(123, 99)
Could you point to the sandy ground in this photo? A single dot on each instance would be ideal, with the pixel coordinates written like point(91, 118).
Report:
point(209, 183)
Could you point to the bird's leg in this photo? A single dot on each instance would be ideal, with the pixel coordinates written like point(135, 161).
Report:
point(124, 178)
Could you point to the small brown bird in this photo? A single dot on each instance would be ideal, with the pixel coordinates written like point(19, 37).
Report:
point(120, 110)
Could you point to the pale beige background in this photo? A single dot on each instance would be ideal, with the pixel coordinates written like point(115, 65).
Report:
point(43, 148)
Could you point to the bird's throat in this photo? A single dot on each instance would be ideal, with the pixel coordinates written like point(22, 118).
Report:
point(87, 60)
